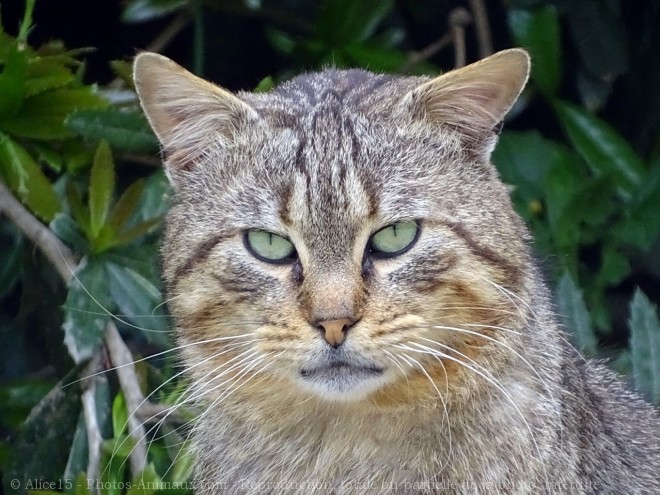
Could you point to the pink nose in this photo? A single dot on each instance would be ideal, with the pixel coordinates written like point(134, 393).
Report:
point(334, 331)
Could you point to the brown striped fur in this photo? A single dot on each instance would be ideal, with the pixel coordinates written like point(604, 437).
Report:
point(457, 377)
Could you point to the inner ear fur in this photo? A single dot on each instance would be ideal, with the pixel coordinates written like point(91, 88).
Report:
point(474, 98)
point(187, 113)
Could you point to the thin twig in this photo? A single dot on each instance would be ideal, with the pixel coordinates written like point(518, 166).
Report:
point(169, 33)
point(484, 38)
point(142, 158)
point(57, 253)
point(160, 42)
point(62, 258)
point(94, 438)
point(459, 19)
point(153, 413)
point(122, 359)
point(426, 53)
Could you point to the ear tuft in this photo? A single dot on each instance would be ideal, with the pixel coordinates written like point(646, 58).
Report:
point(187, 113)
point(475, 98)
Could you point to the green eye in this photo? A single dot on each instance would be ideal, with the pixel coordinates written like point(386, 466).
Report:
point(269, 247)
point(394, 239)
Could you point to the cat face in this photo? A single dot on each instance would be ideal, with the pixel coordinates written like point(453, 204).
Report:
point(343, 235)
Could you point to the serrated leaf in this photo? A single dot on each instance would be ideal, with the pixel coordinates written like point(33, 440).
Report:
point(86, 310)
point(43, 74)
point(571, 305)
point(47, 155)
point(139, 300)
point(645, 346)
point(25, 178)
point(126, 205)
point(101, 188)
point(42, 116)
point(128, 131)
point(12, 82)
point(538, 30)
point(606, 152)
point(156, 199)
point(79, 211)
point(129, 235)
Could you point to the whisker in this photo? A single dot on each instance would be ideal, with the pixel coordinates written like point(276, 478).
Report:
point(158, 354)
point(486, 375)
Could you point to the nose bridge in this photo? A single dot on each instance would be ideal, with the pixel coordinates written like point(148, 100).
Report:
point(332, 294)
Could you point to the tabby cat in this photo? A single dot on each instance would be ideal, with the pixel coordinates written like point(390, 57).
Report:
point(356, 301)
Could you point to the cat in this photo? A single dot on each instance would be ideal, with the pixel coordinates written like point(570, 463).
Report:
point(356, 300)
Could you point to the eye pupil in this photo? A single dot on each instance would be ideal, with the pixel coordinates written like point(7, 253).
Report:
point(269, 247)
point(394, 240)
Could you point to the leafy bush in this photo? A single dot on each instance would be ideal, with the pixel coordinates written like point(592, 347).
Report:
point(80, 159)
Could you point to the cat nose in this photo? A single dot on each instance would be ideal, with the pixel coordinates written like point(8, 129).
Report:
point(334, 331)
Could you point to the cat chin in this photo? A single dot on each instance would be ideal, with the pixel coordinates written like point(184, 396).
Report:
point(343, 384)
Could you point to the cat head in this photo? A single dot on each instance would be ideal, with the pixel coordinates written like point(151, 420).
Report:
point(343, 234)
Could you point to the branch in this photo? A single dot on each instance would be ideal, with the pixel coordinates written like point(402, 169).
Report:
point(459, 19)
point(426, 53)
point(62, 258)
point(483, 28)
point(122, 359)
point(169, 33)
point(94, 438)
point(57, 253)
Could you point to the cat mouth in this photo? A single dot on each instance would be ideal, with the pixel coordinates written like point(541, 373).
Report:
point(340, 369)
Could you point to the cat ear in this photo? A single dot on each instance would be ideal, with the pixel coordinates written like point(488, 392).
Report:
point(475, 98)
point(188, 114)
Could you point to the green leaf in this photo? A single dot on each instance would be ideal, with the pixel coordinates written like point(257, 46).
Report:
point(119, 416)
point(41, 447)
point(86, 309)
point(571, 305)
point(42, 116)
point(79, 211)
point(645, 346)
point(18, 397)
point(128, 131)
point(129, 235)
point(524, 160)
point(139, 300)
point(101, 187)
point(343, 22)
point(47, 155)
point(66, 229)
point(78, 454)
point(265, 85)
point(157, 196)
point(606, 152)
point(114, 464)
point(126, 205)
point(44, 74)
point(12, 83)
point(538, 30)
point(138, 11)
point(145, 483)
point(615, 267)
point(25, 178)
